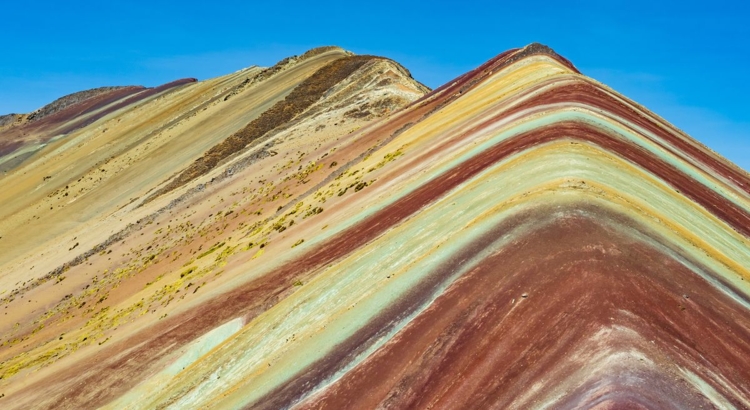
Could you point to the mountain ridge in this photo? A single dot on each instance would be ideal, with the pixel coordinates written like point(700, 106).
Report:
point(521, 237)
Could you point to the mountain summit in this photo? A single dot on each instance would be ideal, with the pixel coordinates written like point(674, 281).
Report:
point(329, 233)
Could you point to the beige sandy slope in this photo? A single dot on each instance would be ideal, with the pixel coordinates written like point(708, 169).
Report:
point(110, 167)
point(125, 155)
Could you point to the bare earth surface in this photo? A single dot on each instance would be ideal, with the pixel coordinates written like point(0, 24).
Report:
point(328, 233)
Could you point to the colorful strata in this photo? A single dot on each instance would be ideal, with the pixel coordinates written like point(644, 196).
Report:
point(522, 237)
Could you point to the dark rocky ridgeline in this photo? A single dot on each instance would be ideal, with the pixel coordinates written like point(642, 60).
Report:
point(278, 67)
point(9, 119)
point(302, 97)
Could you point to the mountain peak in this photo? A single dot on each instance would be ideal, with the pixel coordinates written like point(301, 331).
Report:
point(292, 236)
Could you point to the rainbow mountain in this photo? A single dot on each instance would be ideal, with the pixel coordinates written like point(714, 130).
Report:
point(329, 233)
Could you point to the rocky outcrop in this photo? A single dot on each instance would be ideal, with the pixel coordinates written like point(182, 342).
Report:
point(10, 119)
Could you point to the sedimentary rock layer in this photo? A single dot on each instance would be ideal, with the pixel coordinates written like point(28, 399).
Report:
point(522, 237)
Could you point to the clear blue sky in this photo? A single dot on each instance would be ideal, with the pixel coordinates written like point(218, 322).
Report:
point(688, 61)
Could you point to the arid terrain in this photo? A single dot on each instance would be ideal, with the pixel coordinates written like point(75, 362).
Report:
point(330, 233)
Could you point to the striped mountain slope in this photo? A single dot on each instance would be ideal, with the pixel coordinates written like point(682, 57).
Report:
point(522, 237)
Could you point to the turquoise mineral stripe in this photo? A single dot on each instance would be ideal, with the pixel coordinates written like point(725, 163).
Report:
point(334, 305)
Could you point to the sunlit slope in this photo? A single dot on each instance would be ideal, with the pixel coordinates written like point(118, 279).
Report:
point(522, 237)
point(539, 242)
point(97, 266)
point(101, 168)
